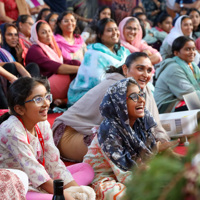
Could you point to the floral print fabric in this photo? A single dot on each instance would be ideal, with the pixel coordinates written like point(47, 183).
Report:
point(17, 153)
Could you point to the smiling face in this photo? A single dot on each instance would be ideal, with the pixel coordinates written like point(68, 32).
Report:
point(130, 31)
point(106, 13)
point(186, 26)
point(187, 53)
point(31, 113)
point(68, 23)
point(110, 35)
point(140, 70)
point(195, 17)
point(11, 36)
point(166, 25)
point(135, 109)
point(45, 34)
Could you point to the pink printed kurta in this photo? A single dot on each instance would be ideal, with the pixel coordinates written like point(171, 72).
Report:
point(17, 153)
point(109, 179)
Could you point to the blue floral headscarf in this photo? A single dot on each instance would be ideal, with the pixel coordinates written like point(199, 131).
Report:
point(120, 142)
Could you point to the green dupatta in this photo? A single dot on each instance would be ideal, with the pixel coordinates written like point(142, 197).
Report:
point(194, 78)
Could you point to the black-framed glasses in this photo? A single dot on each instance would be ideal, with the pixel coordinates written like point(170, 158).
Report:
point(135, 96)
point(39, 101)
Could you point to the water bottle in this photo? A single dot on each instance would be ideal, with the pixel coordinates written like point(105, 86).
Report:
point(58, 190)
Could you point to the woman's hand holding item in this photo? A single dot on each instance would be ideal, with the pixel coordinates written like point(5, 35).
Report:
point(81, 192)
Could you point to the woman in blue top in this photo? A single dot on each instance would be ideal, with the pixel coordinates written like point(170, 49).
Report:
point(105, 52)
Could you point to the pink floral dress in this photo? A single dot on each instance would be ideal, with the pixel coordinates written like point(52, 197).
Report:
point(17, 153)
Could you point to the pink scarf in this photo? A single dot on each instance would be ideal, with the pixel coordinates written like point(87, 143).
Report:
point(53, 53)
point(137, 44)
point(67, 48)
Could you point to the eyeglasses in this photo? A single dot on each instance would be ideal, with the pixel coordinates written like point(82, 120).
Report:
point(31, 24)
point(135, 96)
point(39, 101)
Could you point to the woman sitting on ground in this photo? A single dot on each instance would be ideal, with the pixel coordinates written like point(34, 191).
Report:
point(67, 36)
point(89, 33)
point(124, 139)
point(12, 43)
point(131, 38)
point(46, 53)
point(26, 141)
point(24, 24)
point(183, 27)
point(156, 35)
point(105, 52)
point(73, 129)
point(177, 76)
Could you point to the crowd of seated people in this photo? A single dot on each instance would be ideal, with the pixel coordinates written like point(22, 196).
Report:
point(151, 55)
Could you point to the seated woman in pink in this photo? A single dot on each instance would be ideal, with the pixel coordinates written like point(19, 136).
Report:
point(70, 42)
point(46, 53)
point(131, 38)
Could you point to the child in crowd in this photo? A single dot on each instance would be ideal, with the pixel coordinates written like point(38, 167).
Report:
point(26, 141)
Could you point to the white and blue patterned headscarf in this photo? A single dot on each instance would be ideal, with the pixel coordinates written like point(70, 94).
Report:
point(123, 144)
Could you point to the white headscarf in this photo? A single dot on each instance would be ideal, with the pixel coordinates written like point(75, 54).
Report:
point(176, 31)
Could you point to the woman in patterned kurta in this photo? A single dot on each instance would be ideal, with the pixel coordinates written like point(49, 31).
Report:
point(99, 56)
point(124, 137)
point(26, 141)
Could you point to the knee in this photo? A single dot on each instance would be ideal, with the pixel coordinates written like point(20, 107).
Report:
point(88, 170)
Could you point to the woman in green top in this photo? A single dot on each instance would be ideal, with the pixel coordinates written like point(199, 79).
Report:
point(177, 76)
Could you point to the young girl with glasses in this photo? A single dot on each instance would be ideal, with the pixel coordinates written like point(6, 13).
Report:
point(26, 141)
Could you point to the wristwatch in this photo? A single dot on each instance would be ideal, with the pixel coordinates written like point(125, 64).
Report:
point(181, 5)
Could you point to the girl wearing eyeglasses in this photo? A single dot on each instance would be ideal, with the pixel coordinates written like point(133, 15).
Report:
point(26, 141)
point(124, 139)
point(73, 130)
